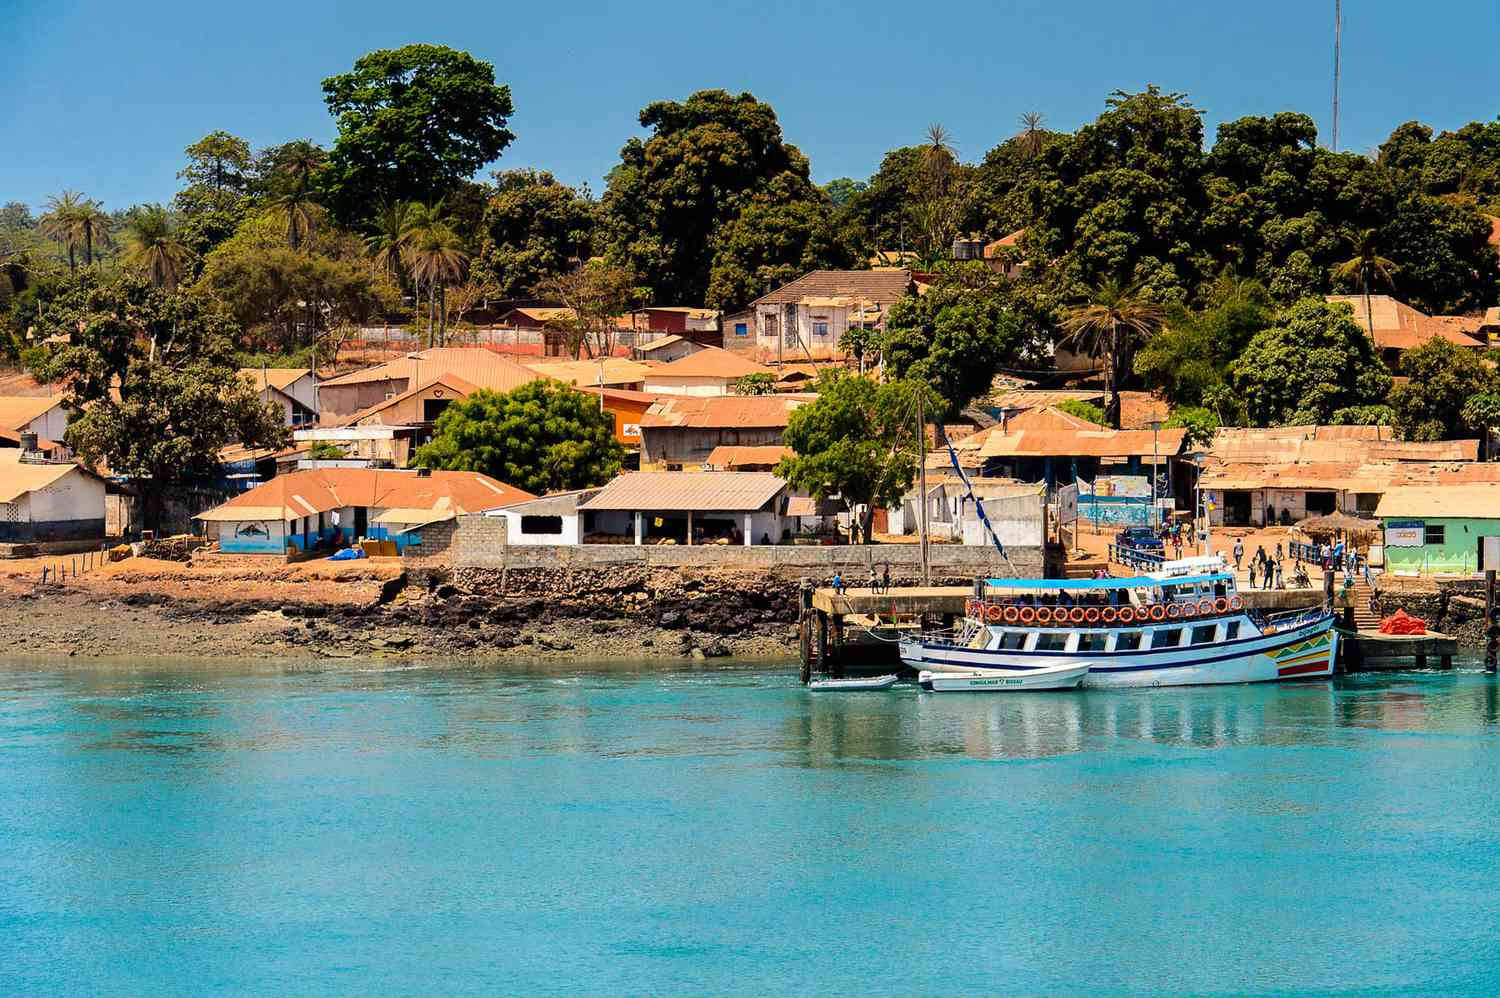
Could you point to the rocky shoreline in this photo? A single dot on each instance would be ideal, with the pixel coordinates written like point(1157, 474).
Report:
point(622, 614)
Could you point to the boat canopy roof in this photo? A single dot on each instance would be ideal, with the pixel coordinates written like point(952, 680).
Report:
point(1092, 585)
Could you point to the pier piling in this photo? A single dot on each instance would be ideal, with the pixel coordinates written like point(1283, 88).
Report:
point(1491, 631)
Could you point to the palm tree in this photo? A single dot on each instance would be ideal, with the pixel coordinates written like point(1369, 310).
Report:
point(1032, 135)
point(93, 224)
point(296, 167)
point(1106, 324)
point(433, 254)
point(1367, 266)
point(153, 245)
point(297, 206)
point(60, 222)
point(387, 231)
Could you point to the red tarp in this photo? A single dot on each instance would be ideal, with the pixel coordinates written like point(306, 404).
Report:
point(1401, 622)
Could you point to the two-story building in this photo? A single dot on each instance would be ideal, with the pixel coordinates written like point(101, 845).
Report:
point(809, 315)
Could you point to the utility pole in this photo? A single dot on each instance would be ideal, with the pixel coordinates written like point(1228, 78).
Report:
point(1338, 42)
point(922, 483)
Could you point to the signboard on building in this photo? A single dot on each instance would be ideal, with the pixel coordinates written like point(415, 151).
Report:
point(1067, 504)
point(1404, 533)
point(1491, 555)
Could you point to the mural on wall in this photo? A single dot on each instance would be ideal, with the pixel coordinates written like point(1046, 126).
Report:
point(251, 531)
point(253, 537)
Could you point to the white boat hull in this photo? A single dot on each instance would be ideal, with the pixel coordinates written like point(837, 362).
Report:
point(1306, 651)
point(852, 685)
point(1057, 677)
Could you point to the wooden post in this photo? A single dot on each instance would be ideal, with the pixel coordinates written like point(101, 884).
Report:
point(838, 647)
point(822, 641)
point(1491, 634)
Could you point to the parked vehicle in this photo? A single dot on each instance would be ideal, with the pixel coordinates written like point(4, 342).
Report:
point(1139, 538)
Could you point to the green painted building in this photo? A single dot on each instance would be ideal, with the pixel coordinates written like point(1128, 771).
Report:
point(1438, 531)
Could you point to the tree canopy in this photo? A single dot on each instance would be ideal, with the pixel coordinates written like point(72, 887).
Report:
point(1442, 378)
point(1314, 360)
point(952, 338)
point(857, 441)
point(541, 437)
point(413, 122)
point(533, 228)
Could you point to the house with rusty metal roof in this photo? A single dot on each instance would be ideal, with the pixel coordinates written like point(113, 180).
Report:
point(710, 371)
point(679, 507)
point(1397, 327)
point(807, 318)
point(331, 507)
point(292, 389)
point(681, 432)
point(349, 394)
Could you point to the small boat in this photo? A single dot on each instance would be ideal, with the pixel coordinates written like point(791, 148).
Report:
point(1064, 676)
point(855, 685)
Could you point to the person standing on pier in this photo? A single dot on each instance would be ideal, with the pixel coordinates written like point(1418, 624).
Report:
point(1253, 564)
point(1239, 552)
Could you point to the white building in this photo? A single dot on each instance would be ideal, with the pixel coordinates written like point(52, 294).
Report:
point(710, 371)
point(48, 500)
point(687, 507)
point(552, 519)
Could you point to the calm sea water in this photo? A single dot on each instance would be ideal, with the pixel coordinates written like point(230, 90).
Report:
point(431, 832)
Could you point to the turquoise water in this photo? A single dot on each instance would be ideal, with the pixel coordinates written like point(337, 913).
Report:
point(429, 832)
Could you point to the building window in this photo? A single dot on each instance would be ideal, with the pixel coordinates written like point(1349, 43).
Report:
point(741, 329)
point(541, 525)
point(820, 329)
point(1434, 533)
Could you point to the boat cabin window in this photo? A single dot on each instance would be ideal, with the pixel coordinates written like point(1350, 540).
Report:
point(1231, 630)
point(1167, 637)
point(1092, 641)
point(1051, 641)
point(1204, 633)
point(1012, 640)
point(1127, 640)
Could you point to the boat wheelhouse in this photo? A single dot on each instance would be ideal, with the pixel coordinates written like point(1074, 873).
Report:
point(1182, 625)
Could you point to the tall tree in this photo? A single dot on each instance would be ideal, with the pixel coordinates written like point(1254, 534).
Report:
point(534, 228)
point(413, 122)
point(60, 223)
point(159, 415)
point(1441, 379)
point(1111, 325)
point(598, 292)
point(672, 194)
point(541, 437)
point(1312, 362)
point(153, 246)
point(857, 441)
point(781, 234)
point(433, 254)
point(953, 338)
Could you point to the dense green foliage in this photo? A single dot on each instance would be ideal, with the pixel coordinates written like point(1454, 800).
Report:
point(533, 228)
point(1442, 378)
point(857, 441)
point(1190, 357)
point(413, 122)
point(1084, 410)
point(1201, 424)
point(154, 386)
point(1313, 361)
point(952, 338)
point(541, 437)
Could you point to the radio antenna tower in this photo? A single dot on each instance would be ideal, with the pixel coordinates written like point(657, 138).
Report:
point(1338, 39)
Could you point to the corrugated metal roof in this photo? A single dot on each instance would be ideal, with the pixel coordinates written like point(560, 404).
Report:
point(681, 491)
point(882, 286)
point(319, 490)
point(720, 411)
point(710, 362)
point(279, 378)
point(476, 365)
point(458, 386)
point(18, 478)
point(1475, 501)
point(728, 457)
point(1083, 443)
point(1399, 326)
point(16, 411)
point(617, 371)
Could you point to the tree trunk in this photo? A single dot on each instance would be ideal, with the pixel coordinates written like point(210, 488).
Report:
point(1111, 375)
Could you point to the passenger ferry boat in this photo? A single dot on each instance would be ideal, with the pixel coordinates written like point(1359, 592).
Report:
point(1183, 625)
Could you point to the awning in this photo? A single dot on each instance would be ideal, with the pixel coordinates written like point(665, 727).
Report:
point(236, 514)
point(410, 519)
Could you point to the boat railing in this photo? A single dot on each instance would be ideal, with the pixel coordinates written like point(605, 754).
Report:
point(1283, 620)
point(1134, 557)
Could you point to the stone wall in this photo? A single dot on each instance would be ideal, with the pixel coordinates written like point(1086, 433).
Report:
point(479, 542)
point(1456, 609)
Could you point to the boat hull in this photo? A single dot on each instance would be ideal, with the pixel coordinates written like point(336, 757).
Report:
point(852, 685)
point(1306, 651)
point(1057, 677)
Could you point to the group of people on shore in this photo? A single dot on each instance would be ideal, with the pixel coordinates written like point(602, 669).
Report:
point(879, 583)
point(1265, 569)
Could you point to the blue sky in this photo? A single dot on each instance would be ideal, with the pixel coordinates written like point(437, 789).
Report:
point(102, 96)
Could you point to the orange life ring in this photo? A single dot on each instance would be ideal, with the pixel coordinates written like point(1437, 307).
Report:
point(1011, 615)
point(1221, 605)
point(1235, 603)
point(1044, 615)
point(1158, 612)
point(993, 613)
point(1174, 610)
point(1027, 614)
point(1109, 615)
point(1076, 615)
point(1205, 607)
point(1091, 615)
point(1127, 614)
point(1189, 611)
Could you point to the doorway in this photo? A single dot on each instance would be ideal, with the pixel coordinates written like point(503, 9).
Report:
point(361, 522)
